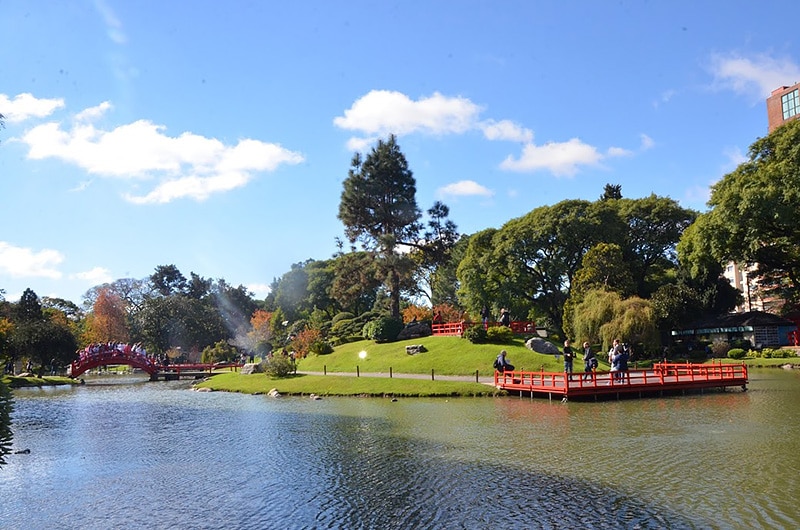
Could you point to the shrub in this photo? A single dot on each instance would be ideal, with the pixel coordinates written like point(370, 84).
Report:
point(221, 351)
point(338, 341)
point(383, 329)
point(499, 334)
point(475, 334)
point(720, 347)
point(347, 326)
point(419, 313)
point(320, 347)
point(278, 366)
point(736, 353)
point(303, 340)
point(344, 315)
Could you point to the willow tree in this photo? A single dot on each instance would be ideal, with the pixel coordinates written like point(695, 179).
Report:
point(379, 209)
point(605, 316)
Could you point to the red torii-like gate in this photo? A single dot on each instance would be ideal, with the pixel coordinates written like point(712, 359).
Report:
point(112, 356)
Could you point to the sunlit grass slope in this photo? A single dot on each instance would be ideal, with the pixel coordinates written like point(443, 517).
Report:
point(444, 355)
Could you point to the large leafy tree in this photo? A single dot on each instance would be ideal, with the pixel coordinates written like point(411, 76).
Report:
point(177, 321)
point(291, 291)
point(234, 306)
point(108, 320)
point(132, 291)
point(167, 280)
point(754, 210)
point(654, 227)
point(42, 337)
point(379, 208)
point(602, 268)
point(355, 282)
point(537, 255)
point(478, 285)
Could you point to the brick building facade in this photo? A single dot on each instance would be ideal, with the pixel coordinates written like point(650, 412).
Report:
point(782, 105)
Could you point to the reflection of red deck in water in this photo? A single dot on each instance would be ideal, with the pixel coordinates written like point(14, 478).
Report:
point(663, 377)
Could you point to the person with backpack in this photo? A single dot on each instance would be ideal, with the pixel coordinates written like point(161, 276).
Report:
point(501, 364)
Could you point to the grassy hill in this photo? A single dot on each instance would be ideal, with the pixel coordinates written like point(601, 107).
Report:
point(444, 355)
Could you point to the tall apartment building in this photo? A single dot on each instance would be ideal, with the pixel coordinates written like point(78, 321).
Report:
point(783, 105)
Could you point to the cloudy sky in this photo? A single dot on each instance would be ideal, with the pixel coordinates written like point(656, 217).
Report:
point(215, 136)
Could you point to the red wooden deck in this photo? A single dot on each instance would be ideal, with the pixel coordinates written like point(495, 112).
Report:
point(663, 377)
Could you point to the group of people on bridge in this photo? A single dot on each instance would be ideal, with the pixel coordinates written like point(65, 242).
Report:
point(101, 349)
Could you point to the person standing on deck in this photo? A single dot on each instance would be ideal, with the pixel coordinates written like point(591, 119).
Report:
point(569, 356)
point(589, 361)
point(614, 358)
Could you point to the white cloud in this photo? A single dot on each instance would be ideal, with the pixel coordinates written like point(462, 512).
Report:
point(506, 130)
point(188, 165)
point(198, 188)
point(562, 159)
point(113, 24)
point(697, 195)
point(464, 188)
point(618, 151)
point(757, 76)
point(20, 262)
point(93, 113)
point(647, 142)
point(259, 290)
point(95, 276)
point(361, 144)
point(735, 157)
point(664, 97)
point(25, 106)
point(383, 112)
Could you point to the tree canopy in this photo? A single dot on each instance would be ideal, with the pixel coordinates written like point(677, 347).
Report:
point(753, 213)
point(379, 208)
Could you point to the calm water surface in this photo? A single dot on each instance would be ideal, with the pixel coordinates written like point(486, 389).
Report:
point(128, 454)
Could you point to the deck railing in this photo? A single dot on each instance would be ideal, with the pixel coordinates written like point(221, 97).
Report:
point(662, 375)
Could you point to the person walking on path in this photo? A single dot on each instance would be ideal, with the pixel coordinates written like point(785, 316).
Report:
point(589, 361)
point(569, 356)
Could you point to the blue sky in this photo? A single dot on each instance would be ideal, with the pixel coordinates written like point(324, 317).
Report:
point(215, 136)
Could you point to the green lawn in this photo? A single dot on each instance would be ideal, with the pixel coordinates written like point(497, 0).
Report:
point(336, 385)
point(17, 382)
point(445, 355)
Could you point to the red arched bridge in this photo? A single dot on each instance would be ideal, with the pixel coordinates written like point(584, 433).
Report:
point(102, 355)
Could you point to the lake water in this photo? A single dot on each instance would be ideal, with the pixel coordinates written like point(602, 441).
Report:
point(120, 453)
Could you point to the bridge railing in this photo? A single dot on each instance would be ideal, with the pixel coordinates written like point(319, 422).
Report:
point(519, 327)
